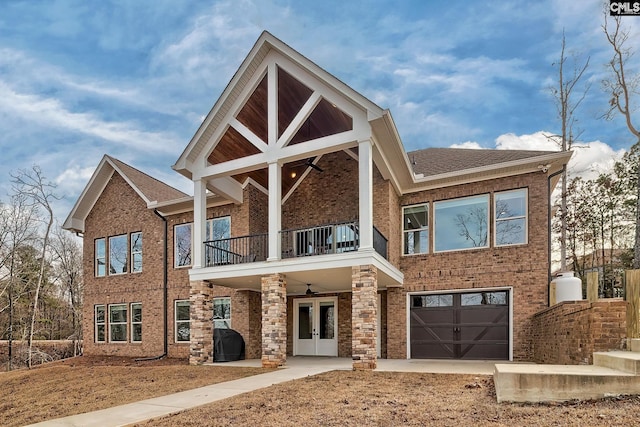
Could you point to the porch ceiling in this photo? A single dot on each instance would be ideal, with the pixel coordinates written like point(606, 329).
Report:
point(325, 273)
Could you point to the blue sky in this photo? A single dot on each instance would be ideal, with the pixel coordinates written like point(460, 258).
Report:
point(134, 79)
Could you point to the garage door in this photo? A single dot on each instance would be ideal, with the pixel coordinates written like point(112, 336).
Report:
point(472, 325)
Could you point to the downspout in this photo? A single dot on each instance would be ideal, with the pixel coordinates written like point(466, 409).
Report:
point(564, 167)
point(165, 291)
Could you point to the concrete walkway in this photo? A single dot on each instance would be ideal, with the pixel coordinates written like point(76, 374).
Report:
point(297, 367)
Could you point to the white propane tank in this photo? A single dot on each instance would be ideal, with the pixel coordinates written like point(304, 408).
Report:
point(568, 288)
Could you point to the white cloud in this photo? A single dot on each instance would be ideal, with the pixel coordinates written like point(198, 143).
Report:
point(50, 112)
point(469, 145)
point(588, 159)
point(538, 141)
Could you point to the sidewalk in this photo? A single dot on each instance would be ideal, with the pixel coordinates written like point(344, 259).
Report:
point(297, 367)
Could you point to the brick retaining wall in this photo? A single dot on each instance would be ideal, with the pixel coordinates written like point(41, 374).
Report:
point(568, 333)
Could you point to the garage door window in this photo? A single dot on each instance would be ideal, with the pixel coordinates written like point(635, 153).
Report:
point(484, 298)
point(433, 301)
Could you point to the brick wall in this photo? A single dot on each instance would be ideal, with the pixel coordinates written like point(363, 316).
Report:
point(119, 210)
point(523, 267)
point(568, 333)
point(324, 197)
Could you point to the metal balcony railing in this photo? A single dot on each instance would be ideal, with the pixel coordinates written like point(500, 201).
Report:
point(237, 250)
point(320, 240)
point(300, 242)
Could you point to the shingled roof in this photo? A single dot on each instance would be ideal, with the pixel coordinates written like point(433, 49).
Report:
point(435, 161)
point(153, 189)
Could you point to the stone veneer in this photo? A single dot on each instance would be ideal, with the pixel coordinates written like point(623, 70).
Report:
point(274, 321)
point(201, 349)
point(364, 295)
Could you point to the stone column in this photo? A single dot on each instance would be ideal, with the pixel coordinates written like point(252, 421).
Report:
point(364, 319)
point(274, 321)
point(201, 328)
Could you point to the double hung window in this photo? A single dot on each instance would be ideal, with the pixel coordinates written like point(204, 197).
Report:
point(136, 322)
point(222, 313)
point(415, 229)
point(183, 321)
point(118, 323)
point(100, 323)
point(511, 217)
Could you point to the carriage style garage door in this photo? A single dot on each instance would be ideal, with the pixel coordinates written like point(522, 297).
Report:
point(460, 326)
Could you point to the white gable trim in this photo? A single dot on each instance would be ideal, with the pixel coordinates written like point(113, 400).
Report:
point(92, 191)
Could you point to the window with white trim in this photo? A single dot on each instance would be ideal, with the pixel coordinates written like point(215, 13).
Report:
point(100, 252)
point(222, 313)
point(118, 323)
point(136, 322)
point(511, 217)
point(100, 323)
point(415, 229)
point(136, 252)
point(461, 223)
point(118, 255)
point(182, 321)
point(182, 237)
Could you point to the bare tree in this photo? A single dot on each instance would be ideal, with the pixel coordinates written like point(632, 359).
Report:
point(67, 253)
point(32, 185)
point(472, 225)
point(17, 231)
point(623, 86)
point(566, 106)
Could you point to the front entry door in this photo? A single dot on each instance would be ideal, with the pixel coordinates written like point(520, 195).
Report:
point(316, 327)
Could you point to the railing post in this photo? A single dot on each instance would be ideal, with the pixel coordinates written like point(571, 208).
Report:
point(632, 281)
point(592, 286)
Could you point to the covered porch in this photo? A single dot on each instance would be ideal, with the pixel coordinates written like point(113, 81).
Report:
point(307, 308)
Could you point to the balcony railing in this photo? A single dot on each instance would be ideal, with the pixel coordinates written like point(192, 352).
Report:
point(319, 240)
point(237, 250)
point(300, 242)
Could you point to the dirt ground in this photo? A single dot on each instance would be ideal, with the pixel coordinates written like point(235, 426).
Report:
point(84, 384)
point(345, 398)
point(338, 398)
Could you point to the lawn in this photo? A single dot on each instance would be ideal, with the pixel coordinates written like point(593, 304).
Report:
point(84, 384)
point(346, 398)
point(337, 398)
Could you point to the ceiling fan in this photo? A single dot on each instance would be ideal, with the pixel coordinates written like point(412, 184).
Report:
point(309, 291)
point(309, 163)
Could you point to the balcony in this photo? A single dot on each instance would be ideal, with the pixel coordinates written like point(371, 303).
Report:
point(300, 242)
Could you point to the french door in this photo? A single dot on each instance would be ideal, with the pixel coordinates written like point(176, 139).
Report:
point(316, 326)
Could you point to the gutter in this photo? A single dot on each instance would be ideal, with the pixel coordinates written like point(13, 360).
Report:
point(564, 168)
point(165, 291)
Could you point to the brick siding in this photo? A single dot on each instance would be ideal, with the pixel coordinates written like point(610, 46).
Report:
point(522, 267)
point(568, 333)
point(120, 210)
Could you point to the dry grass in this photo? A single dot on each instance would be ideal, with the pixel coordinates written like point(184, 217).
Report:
point(86, 384)
point(344, 398)
point(338, 398)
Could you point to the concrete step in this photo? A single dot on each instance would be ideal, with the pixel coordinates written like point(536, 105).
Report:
point(544, 383)
point(625, 361)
